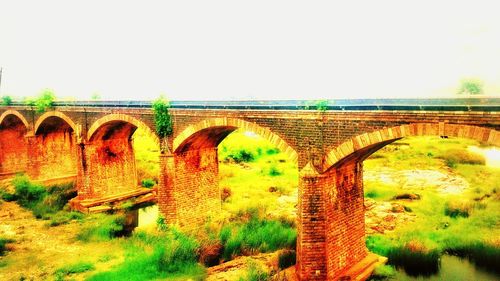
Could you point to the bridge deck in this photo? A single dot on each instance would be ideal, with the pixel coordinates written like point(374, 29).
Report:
point(434, 104)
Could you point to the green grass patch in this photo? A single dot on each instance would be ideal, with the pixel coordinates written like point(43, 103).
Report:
point(3, 243)
point(78, 267)
point(383, 272)
point(255, 273)
point(170, 254)
point(102, 227)
point(44, 202)
point(257, 235)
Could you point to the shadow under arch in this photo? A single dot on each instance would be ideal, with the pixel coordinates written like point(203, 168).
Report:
point(13, 144)
point(364, 145)
point(119, 119)
point(210, 132)
point(16, 113)
point(42, 119)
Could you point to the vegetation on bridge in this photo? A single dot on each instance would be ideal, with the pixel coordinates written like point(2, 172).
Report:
point(163, 121)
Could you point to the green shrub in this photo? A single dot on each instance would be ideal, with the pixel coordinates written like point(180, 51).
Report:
point(3, 242)
point(150, 257)
point(148, 183)
point(458, 208)
point(28, 194)
point(273, 171)
point(258, 236)
point(241, 155)
point(103, 227)
point(44, 101)
point(383, 272)
point(286, 258)
point(65, 217)
point(456, 156)
point(78, 267)
point(255, 273)
point(480, 253)
point(415, 258)
point(6, 100)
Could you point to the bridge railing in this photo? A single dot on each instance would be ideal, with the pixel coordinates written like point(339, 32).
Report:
point(435, 104)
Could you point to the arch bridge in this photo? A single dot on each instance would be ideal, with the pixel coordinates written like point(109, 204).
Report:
point(91, 143)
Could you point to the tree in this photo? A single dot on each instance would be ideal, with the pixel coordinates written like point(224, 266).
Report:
point(470, 87)
point(163, 121)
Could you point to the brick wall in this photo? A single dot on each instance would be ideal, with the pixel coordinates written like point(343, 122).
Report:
point(196, 188)
point(13, 147)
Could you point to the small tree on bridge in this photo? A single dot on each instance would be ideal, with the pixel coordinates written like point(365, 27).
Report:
point(163, 122)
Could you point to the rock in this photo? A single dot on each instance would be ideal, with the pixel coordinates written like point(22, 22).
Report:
point(409, 196)
point(397, 208)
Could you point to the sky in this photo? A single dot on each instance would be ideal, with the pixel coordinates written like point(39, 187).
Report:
point(239, 50)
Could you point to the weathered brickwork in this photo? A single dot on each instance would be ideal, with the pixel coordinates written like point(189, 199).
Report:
point(329, 147)
point(13, 147)
point(196, 193)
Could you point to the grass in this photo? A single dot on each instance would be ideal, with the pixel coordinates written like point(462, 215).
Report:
point(255, 273)
point(256, 235)
point(464, 224)
point(383, 272)
point(171, 255)
point(3, 243)
point(44, 202)
point(147, 155)
point(102, 227)
point(78, 267)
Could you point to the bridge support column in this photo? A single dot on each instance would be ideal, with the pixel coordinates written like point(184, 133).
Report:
point(331, 235)
point(189, 187)
point(311, 240)
point(166, 197)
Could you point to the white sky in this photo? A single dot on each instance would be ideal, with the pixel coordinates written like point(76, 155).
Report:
point(253, 49)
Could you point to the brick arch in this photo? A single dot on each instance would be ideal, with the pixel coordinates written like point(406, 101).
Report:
point(17, 114)
point(46, 115)
point(124, 118)
point(368, 143)
point(226, 126)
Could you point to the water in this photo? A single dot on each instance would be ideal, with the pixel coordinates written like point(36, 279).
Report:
point(453, 269)
point(490, 154)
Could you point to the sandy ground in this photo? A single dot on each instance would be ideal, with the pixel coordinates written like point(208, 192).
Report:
point(39, 250)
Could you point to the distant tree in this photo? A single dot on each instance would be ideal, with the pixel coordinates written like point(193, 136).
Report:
point(470, 87)
point(163, 121)
point(6, 100)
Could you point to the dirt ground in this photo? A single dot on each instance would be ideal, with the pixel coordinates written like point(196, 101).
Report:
point(38, 250)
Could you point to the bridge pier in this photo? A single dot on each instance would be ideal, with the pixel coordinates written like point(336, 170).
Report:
point(331, 228)
point(189, 186)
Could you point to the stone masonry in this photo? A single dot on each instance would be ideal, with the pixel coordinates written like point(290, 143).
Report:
point(94, 145)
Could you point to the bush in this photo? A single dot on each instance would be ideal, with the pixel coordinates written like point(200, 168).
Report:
point(257, 236)
point(6, 100)
point(78, 267)
point(28, 194)
point(171, 254)
point(148, 183)
point(3, 243)
point(452, 157)
point(44, 101)
point(480, 253)
point(103, 228)
point(383, 272)
point(458, 208)
point(415, 258)
point(255, 273)
point(241, 155)
point(286, 258)
point(273, 171)
point(226, 193)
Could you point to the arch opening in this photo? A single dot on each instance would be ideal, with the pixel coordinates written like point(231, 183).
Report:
point(349, 186)
point(53, 151)
point(203, 163)
point(13, 145)
point(111, 151)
